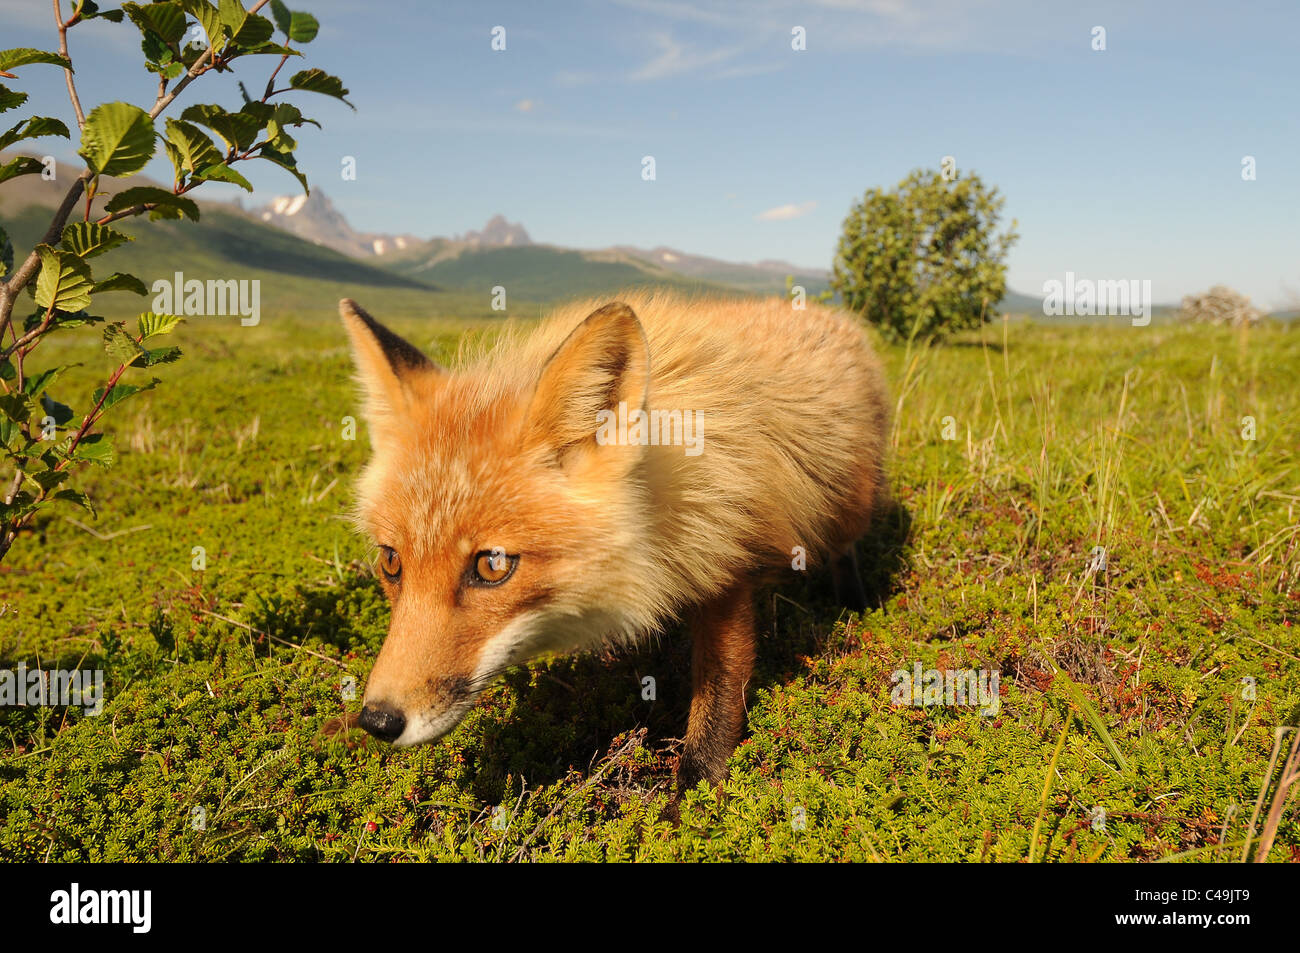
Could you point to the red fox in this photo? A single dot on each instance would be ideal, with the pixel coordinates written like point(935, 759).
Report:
point(618, 468)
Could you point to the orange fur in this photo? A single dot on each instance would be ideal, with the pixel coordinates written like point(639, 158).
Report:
point(613, 541)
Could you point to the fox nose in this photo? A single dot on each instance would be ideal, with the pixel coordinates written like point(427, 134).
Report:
point(383, 721)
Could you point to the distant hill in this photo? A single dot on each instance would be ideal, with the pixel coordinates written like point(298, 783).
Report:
point(538, 272)
point(765, 277)
point(227, 243)
point(1013, 302)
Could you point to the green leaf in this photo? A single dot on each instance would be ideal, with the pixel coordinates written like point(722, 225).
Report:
point(152, 325)
point(6, 253)
point(177, 161)
point(166, 68)
point(33, 128)
point(64, 282)
point(151, 195)
point(19, 509)
point(194, 150)
point(47, 480)
point(125, 349)
point(89, 10)
point(223, 173)
point(122, 391)
point(270, 49)
point(287, 114)
point(120, 282)
point(25, 55)
point(282, 115)
point(17, 407)
point(238, 130)
point(37, 383)
point(167, 213)
point(120, 345)
point(77, 318)
point(162, 355)
point(319, 81)
point(210, 19)
point(23, 165)
point(162, 19)
point(95, 448)
point(247, 30)
point(10, 98)
point(88, 239)
point(12, 438)
point(283, 18)
point(118, 139)
point(61, 413)
point(299, 27)
point(76, 496)
point(285, 161)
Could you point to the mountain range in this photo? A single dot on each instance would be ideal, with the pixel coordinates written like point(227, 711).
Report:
point(309, 251)
point(503, 252)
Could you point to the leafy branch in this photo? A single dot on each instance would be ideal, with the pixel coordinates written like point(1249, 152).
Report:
point(181, 40)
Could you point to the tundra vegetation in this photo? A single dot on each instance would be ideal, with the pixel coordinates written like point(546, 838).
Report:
point(1141, 695)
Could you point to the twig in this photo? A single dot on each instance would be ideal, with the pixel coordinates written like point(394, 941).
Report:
point(67, 73)
point(273, 638)
point(107, 536)
point(613, 759)
point(201, 66)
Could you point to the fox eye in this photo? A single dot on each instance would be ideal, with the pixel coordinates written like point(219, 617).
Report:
point(493, 567)
point(390, 563)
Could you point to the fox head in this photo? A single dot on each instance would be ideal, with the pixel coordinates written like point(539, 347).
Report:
point(504, 528)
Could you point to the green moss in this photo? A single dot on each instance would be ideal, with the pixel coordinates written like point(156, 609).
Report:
point(220, 682)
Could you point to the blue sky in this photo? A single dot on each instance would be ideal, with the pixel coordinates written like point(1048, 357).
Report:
point(1124, 163)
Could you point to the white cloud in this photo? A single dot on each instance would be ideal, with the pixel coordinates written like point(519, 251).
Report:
point(674, 59)
point(784, 213)
point(856, 25)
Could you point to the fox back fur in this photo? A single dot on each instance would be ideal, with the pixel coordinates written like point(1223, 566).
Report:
point(511, 524)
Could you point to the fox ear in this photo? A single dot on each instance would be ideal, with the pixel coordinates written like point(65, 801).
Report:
point(603, 362)
point(385, 362)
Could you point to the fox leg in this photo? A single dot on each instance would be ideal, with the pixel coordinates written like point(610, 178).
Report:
point(848, 581)
point(722, 637)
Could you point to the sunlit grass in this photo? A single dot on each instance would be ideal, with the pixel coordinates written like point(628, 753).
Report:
point(1020, 454)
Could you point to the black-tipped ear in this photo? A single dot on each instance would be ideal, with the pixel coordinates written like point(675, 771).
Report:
point(384, 360)
point(371, 341)
point(605, 361)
